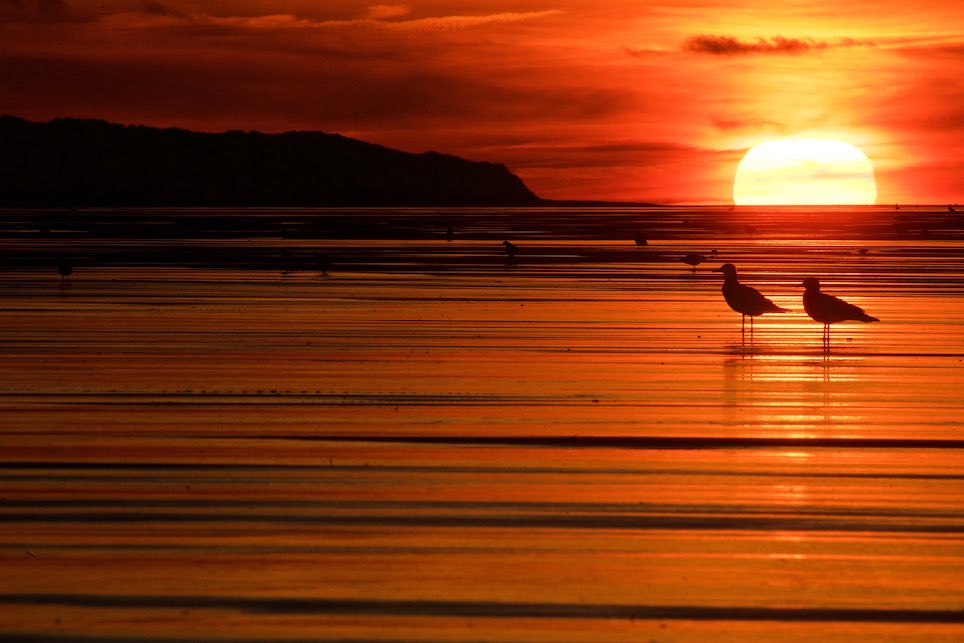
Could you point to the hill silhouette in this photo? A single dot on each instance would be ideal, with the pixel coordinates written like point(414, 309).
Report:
point(72, 163)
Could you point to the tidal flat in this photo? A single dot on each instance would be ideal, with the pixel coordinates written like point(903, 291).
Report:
point(376, 425)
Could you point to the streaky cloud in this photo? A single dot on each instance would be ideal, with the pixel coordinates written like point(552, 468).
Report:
point(40, 11)
point(740, 124)
point(151, 7)
point(643, 52)
point(717, 45)
point(445, 23)
point(384, 21)
point(388, 11)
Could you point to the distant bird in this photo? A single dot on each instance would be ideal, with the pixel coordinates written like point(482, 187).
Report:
point(324, 263)
point(828, 309)
point(510, 248)
point(289, 260)
point(64, 268)
point(693, 259)
point(641, 240)
point(744, 299)
point(897, 206)
point(951, 209)
point(713, 252)
point(864, 251)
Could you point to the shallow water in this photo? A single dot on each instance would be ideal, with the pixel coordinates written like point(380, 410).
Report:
point(434, 442)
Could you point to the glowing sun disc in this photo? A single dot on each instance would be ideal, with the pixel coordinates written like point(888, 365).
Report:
point(804, 171)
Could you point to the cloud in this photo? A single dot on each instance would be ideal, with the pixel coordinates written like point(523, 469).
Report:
point(731, 46)
point(931, 48)
point(161, 14)
point(739, 124)
point(38, 11)
point(451, 23)
point(643, 52)
point(376, 17)
point(153, 8)
point(613, 155)
point(36, 6)
point(387, 11)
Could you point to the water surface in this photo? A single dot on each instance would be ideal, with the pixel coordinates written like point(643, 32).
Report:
point(434, 441)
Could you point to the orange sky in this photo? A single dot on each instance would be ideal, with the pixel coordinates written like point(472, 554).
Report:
point(608, 99)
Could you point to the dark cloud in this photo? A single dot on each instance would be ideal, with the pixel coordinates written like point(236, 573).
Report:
point(625, 154)
point(952, 50)
point(157, 9)
point(644, 52)
point(738, 124)
point(237, 90)
point(39, 11)
point(731, 46)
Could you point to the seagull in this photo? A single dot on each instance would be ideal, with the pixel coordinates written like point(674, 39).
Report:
point(510, 248)
point(289, 260)
point(951, 209)
point(640, 240)
point(863, 251)
point(323, 262)
point(65, 269)
point(828, 309)
point(693, 260)
point(743, 299)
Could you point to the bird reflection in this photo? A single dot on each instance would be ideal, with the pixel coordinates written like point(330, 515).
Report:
point(65, 269)
point(828, 309)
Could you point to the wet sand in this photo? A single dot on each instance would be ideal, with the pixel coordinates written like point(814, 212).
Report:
point(436, 442)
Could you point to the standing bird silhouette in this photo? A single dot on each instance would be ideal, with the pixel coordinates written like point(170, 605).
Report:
point(693, 259)
point(65, 269)
point(324, 262)
point(828, 309)
point(289, 261)
point(743, 299)
point(510, 248)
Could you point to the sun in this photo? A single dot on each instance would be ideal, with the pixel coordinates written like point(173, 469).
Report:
point(804, 171)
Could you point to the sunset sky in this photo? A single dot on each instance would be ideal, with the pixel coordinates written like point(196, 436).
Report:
point(584, 99)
